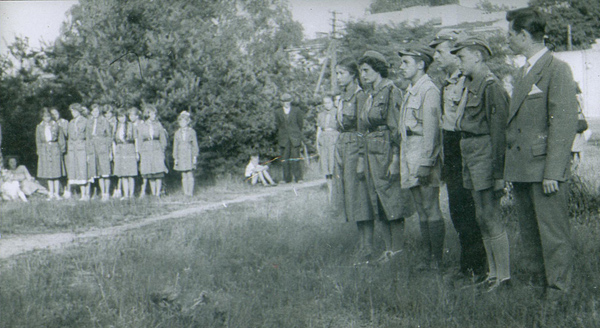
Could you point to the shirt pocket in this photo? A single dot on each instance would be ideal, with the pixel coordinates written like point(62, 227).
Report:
point(414, 114)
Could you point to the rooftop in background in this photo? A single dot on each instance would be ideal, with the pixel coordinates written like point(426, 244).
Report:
point(442, 16)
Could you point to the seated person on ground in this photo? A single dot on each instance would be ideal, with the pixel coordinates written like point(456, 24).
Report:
point(19, 173)
point(255, 171)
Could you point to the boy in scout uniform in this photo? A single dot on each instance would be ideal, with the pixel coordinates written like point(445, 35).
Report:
point(482, 125)
point(421, 147)
point(460, 202)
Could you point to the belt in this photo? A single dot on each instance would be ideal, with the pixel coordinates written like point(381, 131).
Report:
point(467, 135)
point(379, 128)
point(330, 130)
point(150, 139)
point(409, 133)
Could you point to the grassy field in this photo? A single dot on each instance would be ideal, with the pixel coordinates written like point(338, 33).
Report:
point(281, 262)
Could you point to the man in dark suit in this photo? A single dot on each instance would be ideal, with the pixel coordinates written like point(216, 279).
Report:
point(541, 127)
point(289, 121)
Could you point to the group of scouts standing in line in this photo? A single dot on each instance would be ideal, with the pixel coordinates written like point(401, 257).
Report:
point(97, 145)
point(393, 149)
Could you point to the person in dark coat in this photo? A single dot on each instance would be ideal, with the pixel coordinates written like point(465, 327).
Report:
point(289, 122)
point(542, 123)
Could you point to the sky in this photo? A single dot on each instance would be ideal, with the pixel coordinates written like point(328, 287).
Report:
point(41, 20)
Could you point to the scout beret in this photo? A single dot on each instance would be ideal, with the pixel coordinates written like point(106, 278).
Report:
point(375, 55)
point(447, 35)
point(469, 42)
point(423, 52)
point(286, 97)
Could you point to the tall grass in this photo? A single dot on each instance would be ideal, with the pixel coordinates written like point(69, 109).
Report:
point(282, 262)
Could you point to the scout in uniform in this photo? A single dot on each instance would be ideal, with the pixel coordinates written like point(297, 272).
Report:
point(378, 119)
point(421, 148)
point(482, 124)
point(185, 152)
point(76, 153)
point(152, 143)
point(124, 154)
point(460, 202)
point(50, 145)
point(99, 141)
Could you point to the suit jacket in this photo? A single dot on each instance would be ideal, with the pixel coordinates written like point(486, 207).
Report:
point(542, 123)
point(289, 127)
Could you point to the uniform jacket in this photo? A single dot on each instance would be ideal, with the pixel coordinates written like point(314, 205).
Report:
point(485, 113)
point(289, 127)
point(421, 115)
point(541, 123)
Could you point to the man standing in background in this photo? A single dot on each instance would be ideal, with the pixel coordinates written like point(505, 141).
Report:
point(289, 122)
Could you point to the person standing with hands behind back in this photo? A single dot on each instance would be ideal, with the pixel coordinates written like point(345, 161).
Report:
point(289, 122)
point(542, 123)
point(185, 152)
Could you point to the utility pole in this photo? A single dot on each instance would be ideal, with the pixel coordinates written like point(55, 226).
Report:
point(333, 54)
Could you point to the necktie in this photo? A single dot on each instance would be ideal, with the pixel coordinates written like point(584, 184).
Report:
point(48, 133)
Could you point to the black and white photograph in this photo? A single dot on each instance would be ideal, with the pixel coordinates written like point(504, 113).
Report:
point(300, 163)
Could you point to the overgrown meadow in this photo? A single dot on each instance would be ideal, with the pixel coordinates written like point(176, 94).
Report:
point(280, 262)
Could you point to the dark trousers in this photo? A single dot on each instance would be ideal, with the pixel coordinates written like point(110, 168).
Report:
point(292, 163)
point(545, 233)
point(462, 208)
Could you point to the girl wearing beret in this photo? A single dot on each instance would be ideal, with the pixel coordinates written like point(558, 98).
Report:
point(185, 152)
point(378, 119)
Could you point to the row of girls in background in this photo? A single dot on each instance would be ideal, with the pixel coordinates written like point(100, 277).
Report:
point(99, 145)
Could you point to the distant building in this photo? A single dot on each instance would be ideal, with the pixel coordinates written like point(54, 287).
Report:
point(586, 71)
point(442, 16)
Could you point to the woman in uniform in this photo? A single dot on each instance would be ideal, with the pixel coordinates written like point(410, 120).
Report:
point(124, 154)
point(185, 152)
point(50, 144)
point(350, 192)
point(99, 141)
point(378, 120)
point(152, 142)
point(76, 153)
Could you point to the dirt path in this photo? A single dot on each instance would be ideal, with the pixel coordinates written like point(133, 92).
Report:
point(12, 245)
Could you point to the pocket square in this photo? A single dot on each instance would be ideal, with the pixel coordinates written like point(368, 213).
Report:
point(534, 90)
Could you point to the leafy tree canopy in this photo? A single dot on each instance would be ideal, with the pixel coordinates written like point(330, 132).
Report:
point(383, 6)
point(582, 15)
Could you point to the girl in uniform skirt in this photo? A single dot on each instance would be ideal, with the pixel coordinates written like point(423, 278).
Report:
point(76, 153)
point(50, 144)
point(99, 137)
point(124, 154)
point(152, 142)
point(185, 152)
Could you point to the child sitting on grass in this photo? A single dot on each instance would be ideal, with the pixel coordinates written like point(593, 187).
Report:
point(255, 171)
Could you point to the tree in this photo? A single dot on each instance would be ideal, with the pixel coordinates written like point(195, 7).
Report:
point(383, 6)
point(582, 15)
